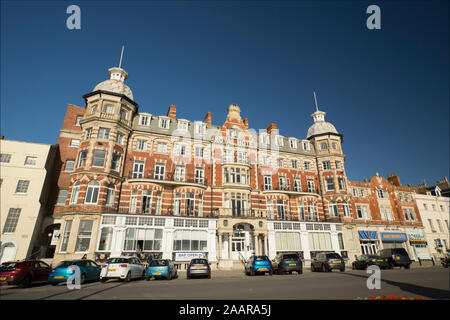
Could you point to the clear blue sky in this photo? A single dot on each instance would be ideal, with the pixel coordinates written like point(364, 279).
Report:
point(387, 90)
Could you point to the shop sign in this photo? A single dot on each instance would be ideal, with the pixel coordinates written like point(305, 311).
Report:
point(416, 236)
point(385, 236)
point(187, 256)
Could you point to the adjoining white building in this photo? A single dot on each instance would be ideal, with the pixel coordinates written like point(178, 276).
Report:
point(25, 179)
point(434, 211)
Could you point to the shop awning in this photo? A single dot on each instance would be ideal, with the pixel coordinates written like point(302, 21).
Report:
point(368, 235)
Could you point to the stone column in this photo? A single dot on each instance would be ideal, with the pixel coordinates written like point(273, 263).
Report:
point(257, 244)
point(266, 250)
point(219, 257)
point(229, 246)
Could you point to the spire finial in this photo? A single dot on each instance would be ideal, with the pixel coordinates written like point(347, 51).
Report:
point(121, 55)
point(315, 99)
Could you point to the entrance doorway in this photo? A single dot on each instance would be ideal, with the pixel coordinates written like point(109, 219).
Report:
point(9, 251)
point(242, 242)
point(369, 247)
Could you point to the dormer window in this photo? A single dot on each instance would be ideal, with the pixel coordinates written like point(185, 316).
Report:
point(123, 114)
point(144, 120)
point(200, 128)
point(164, 123)
point(306, 145)
point(108, 109)
point(182, 125)
point(263, 138)
point(293, 143)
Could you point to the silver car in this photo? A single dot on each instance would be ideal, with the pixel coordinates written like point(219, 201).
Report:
point(198, 268)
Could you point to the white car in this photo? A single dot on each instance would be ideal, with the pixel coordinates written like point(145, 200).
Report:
point(122, 268)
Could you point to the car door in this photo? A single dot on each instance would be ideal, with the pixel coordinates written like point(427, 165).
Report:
point(45, 270)
point(96, 269)
point(34, 270)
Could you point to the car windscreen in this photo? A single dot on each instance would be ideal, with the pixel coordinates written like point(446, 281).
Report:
point(118, 260)
point(159, 263)
point(199, 261)
point(261, 258)
point(65, 264)
point(399, 251)
point(333, 256)
point(292, 256)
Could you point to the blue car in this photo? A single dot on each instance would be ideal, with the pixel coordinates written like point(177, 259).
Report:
point(258, 264)
point(161, 268)
point(89, 271)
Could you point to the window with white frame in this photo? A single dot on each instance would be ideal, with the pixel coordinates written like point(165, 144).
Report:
point(431, 225)
point(108, 109)
point(75, 192)
point(159, 171)
point(355, 192)
point(301, 210)
point(22, 186)
point(326, 165)
point(280, 140)
point(164, 123)
point(98, 160)
point(363, 193)
point(190, 240)
point(147, 199)
point(281, 210)
point(119, 137)
point(180, 150)
point(177, 204)
point(311, 185)
point(323, 146)
point(77, 121)
point(199, 152)
point(5, 158)
point(115, 163)
point(333, 209)
point(236, 175)
point(93, 189)
point(293, 143)
point(11, 220)
point(297, 184)
point(264, 160)
point(110, 195)
point(74, 143)
point(341, 183)
point(269, 205)
point(199, 175)
point(329, 184)
point(138, 169)
point(311, 208)
point(382, 194)
point(183, 125)
point(242, 157)
point(263, 138)
point(103, 133)
point(88, 134)
point(228, 155)
point(123, 114)
point(306, 146)
point(30, 161)
point(409, 214)
point(307, 165)
point(141, 144)
point(62, 196)
point(338, 165)
point(294, 164)
point(199, 128)
point(65, 236)
point(180, 171)
point(161, 147)
point(362, 211)
point(144, 120)
point(280, 163)
point(267, 182)
point(346, 209)
point(84, 236)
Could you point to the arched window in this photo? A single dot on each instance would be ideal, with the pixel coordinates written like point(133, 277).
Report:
point(333, 208)
point(92, 191)
point(110, 194)
point(346, 209)
point(75, 192)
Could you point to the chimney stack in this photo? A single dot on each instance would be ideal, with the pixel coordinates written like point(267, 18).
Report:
point(246, 123)
point(172, 112)
point(394, 179)
point(208, 118)
point(271, 128)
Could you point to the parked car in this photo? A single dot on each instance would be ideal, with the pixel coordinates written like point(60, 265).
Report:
point(258, 264)
point(327, 262)
point(397, 257)
point(445, 261)
point(89, 270)
point(287, 262)
point(161, 268)
point(198, 268)
point(23, 273)
point(362, 262)
point(122, 268)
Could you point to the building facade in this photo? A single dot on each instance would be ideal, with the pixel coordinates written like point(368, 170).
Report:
point(434, 210)
point(25, 184)
point(133, 182)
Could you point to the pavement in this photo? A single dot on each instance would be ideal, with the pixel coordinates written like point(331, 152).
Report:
point(425, 282)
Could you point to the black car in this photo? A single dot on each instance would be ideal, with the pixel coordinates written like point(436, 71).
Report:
point(397, 257)
point(287, 262)
point(364, 261)
point(327, 262)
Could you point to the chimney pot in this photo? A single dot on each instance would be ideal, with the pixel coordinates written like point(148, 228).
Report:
point(172, 112)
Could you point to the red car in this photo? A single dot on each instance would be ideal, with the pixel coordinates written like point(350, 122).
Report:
point(23, 273)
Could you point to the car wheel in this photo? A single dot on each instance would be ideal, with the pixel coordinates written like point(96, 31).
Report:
point(54, 283)
point(252, 272)
point(82, 278)
point(271, 272)
point(128, 277)
point(103, 280)
point(209, 276)
point(290, 272)
point(342, 270)
point(25, 282)
point(312, 268)
point(169, 276)
point(407, 266)
point(323, 268)
point(353, 266)
point(300, 272)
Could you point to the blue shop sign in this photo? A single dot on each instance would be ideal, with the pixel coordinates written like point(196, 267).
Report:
point(368, 235)
point(401, 237)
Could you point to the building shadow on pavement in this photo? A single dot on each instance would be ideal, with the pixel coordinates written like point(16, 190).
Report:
point(431, 293)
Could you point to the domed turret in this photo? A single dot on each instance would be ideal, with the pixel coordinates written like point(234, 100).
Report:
point(320, 126)
point(116, 83)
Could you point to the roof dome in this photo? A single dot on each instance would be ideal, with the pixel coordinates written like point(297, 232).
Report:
point(116, 83)
point(320, 126)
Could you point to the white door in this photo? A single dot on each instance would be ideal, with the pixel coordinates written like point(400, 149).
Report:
point(421, 252)
point(9, 253)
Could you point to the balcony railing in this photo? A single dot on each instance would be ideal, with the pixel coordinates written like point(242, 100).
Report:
point(168, 177)
point(230, 213)
point(290, 188)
